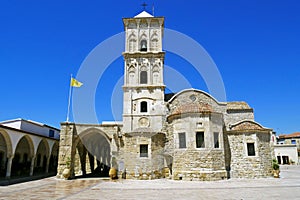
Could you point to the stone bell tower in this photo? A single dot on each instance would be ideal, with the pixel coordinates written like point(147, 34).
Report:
point(143, 103)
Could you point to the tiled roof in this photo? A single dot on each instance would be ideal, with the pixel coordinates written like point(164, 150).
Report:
point(192, 108)
point(238, 105)
point(296, 134)
point(247, 125)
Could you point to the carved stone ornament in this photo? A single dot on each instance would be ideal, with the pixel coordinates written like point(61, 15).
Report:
point(144, 122)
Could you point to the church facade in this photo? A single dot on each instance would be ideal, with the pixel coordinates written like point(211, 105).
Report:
point(184, 136)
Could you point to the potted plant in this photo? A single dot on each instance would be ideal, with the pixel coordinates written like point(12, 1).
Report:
point(275, 167)
point(113, 173)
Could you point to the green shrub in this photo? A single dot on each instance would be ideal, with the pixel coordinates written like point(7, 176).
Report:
point(275, 164)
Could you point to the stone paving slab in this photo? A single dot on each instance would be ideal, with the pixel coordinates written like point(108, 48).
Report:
point(286, 187)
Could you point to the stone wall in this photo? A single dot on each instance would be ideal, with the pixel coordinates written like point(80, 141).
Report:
point(232, 117)
point(138, 167)
point(206, 165)
point(66, 155)
point(196, 97)
point(192, 163)
point(76, 140)
point(157, 149)
point(244, 166)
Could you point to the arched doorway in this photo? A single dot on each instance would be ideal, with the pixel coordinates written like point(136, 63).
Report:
point(41, 158)
point(5, 151)
point(54, 158)
point(22, 159)
point(94, 153)
point(3, 156)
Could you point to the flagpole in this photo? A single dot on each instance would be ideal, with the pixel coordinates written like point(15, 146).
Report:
point(69, 101)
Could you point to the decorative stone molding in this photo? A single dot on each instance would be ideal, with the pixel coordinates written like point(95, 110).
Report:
point(247, 126)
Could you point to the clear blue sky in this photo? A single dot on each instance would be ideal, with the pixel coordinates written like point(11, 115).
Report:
point(254, 43)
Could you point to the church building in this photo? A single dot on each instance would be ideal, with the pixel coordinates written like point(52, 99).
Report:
point(184, 136)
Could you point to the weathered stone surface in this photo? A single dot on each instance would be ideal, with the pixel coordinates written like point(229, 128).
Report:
point(244, 166)
point(192, 136)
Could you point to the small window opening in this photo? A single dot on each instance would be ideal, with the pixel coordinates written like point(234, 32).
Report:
point(200, 140)
point(216, 140)
point(143, 77)
point(51, 133)
point(143, 150)
point(143, 45)
point(144, 106)
point(182, 140)
point(251, 149)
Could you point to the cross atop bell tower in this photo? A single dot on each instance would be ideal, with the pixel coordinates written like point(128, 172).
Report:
point(143, 78)
point(144, 5)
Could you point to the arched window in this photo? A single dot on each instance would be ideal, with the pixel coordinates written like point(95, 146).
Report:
point(154, 44)
point(131, 78)
point(155, 74)
point(144, 45)
point(131, 45)
point(144, 106)
point(143, 77)
point(131, 75)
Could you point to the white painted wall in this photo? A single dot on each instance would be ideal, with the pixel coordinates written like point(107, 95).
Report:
point(12, 124)
point(289, 150)
point(32, 127)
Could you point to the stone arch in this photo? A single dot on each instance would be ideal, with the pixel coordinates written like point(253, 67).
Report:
point(155, 68)
point(23, 155)
point(143, 44)
point(155, 75)
point(132, 42)
point(154, 42)
point(143, 68)
point(143, 75)
point(131, 68)
point(131, 75)
point(41, 158)
point(196, 91)
point(5, 151)
point(93, 150)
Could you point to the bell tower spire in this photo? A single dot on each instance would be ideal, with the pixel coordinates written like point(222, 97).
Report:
point(143, 78)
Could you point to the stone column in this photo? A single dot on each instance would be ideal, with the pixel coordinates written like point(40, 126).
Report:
point(8, 167)
point(67, 148)
point(32, 166)
point(47, 165)
point(82, 154)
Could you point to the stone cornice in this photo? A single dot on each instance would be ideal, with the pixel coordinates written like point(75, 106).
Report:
point(248, 131)
point(147, 134)
point(239, 110)
point(186, 114)
point(148, 87)
point(127, 55)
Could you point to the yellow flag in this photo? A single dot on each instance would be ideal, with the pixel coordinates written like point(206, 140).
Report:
point(75, 83)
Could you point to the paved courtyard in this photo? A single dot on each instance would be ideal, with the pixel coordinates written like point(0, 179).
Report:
point(287, 187)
